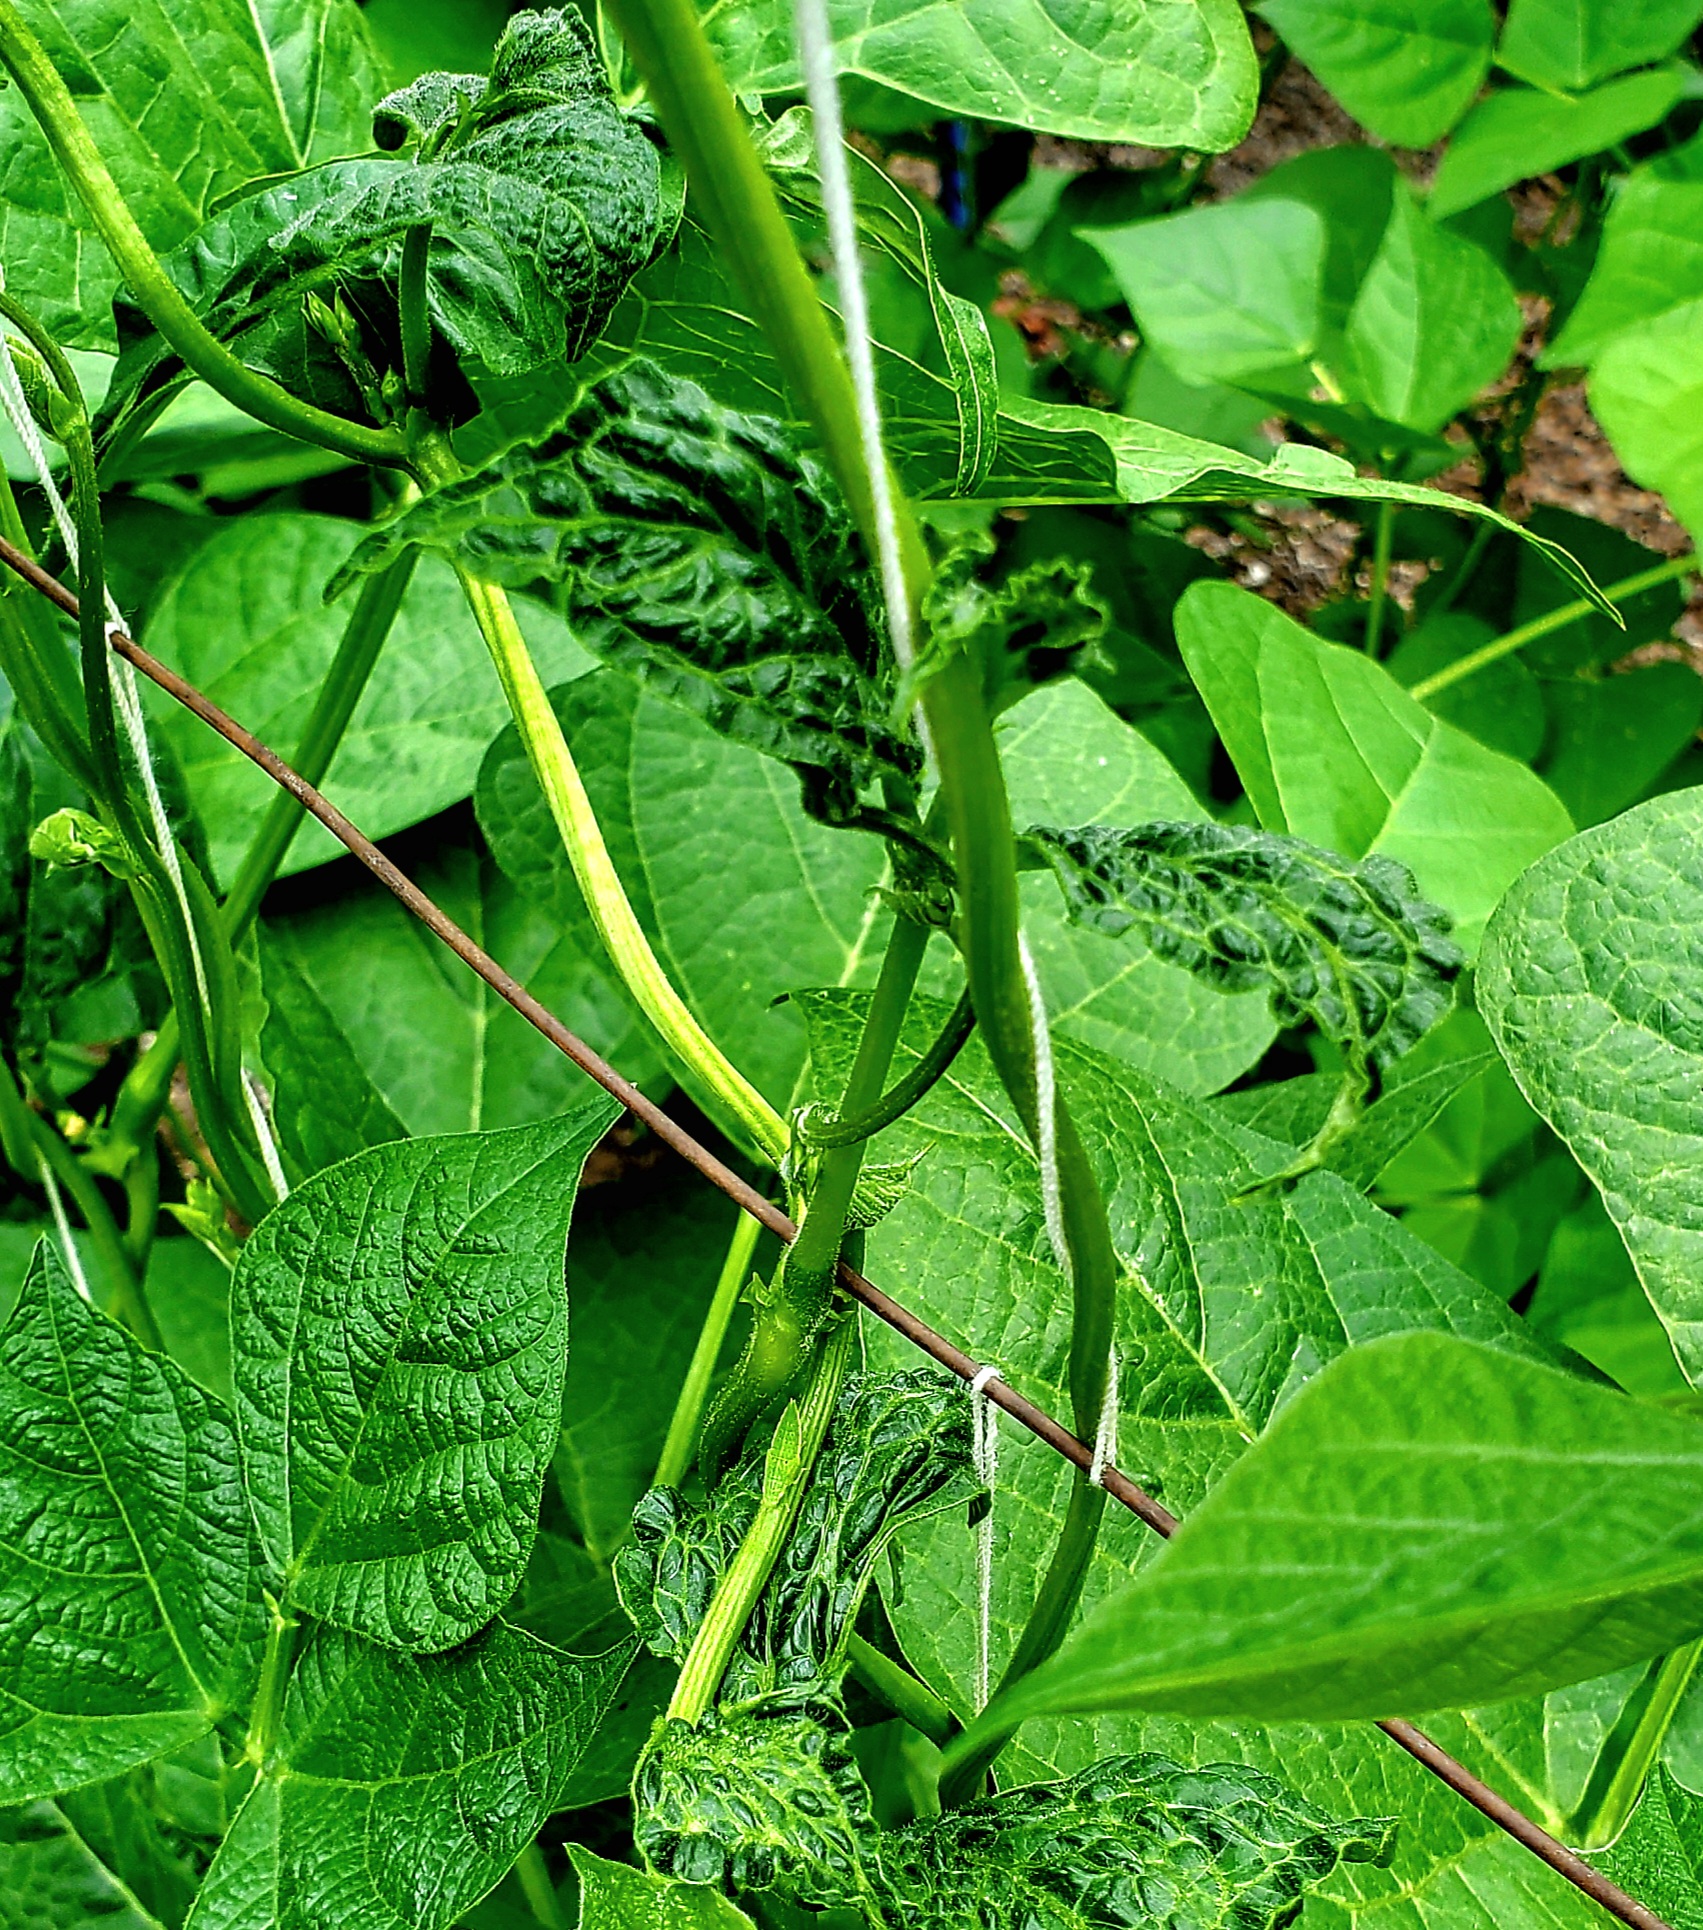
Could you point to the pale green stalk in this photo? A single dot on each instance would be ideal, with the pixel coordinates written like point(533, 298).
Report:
point(605, 896)
point(1558, 619)
point(678, 1449)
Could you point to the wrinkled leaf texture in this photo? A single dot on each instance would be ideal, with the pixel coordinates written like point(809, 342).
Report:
point(1354, 947)
point(897, 1452)
point(399, 1338)
point(401, 1788)
point(129, 1614)
point(700, 550)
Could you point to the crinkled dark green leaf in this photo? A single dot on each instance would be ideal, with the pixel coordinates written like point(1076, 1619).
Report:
point(399, 1340)
point(401, 1787)
point(770, 1798)
point(1133, 1840)
point(700, 550)
point(543, 199)
point(898, 1451)
point(129, 1612)
point(1352, 946)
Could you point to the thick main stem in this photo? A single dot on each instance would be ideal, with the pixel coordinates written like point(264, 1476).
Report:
point(605, 896)
point(792, 1454)
point(158, 296)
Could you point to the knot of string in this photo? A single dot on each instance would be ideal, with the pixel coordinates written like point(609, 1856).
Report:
point(984, 1457)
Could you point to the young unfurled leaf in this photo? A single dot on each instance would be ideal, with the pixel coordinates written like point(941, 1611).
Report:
point(1352, 946)
point(769, 1798)
point(898, 1451)
point(401, 1787)
point(1589, 986)
point(399, 1338)
point(1133, 1839)
point(1039, 624)
point(700, 550)
point(129, 1614)
point(1427, 1524)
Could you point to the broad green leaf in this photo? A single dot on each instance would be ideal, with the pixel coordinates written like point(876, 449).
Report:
point(1350, 189)
point(702, 881)
point(1518, 132)
point(1612, 737)
point(766, 1796)
point(399, 1341)
point(615, 1896)
point(1565, 45)
point(1434, 322)
point(1224, 292)
point(1173, 76)
point(129, 1619)
point(1647, 390)
point(1330, 748)
point(374, 1030)
point(186, 103)
point(1407, 72)
point(1068, 759)
point(132, 1825)
point(1589, 1299)
point(1428, 1524)
point(698, 550)
point(1585, 986)
point(1659, 1859)
point(644, 1260)
point(1353, 947)
point(1650, 260)
point(1224, 1847)
point(897, 1452)
point(247, 623)
point(51, 1880)
point(966, 1245)
point(1501, 705)
point(401, 1788)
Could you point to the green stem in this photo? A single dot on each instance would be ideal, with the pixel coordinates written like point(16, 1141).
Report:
point(901, 1691)
point(930, 1069)
point(27, 1138)
point(1382, 542)
point(792, 1454)
point(35, 662)
point(412, 314)
point(729, 185)
point(789, 1318)
point(142, 1097)
point(1603, 1815)
point(533, 1875)
point(605, 896)
point(159, 297)
point(268, 1708)
point(682, 1441)
point(1557, 619)
point(1468, 568)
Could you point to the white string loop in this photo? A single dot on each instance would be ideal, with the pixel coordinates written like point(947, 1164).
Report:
point(260, 1116)
point(984, 1458)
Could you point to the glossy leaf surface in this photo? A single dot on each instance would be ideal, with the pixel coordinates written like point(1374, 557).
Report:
point(399, 1335)
point(129, 1616)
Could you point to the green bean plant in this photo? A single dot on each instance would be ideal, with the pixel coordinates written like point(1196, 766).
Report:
point(825, 718)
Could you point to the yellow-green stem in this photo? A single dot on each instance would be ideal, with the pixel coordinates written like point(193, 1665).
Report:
point(682, 1441)
point(605, 896)
point(1558, 619)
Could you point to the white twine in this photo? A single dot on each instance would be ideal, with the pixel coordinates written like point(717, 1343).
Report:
point(56, 1205)
point(984, 1458)
point(1106, 1434)
point(1046, 1105)
point(17, 408)
point(260, 1116)
point(816, 53)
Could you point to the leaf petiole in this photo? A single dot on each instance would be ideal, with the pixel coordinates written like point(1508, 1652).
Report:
point(834, 1130)
point(682, 1441)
